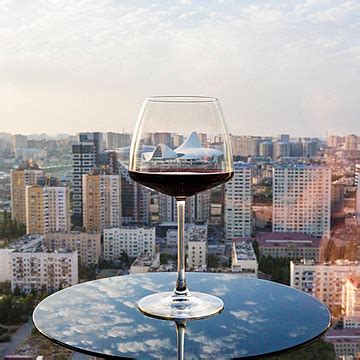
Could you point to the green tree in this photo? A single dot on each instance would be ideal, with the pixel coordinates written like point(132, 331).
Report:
point(319, 350)
point(5, 288)
point(256, 249)
point(212, 261)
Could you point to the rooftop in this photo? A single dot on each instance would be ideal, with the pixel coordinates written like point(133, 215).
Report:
point(34, 244)
point(244, 249)
point(278, 239)
point(343, 335)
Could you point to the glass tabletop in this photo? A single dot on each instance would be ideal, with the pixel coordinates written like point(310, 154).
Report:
point(260, 318)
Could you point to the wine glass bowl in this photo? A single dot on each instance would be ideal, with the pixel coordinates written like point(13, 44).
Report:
point(180, 147)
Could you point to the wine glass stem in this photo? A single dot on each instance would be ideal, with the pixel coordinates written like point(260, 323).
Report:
point(181, 281)
point(180, 332)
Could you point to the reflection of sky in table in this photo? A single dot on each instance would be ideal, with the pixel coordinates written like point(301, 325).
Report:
point(259, 317)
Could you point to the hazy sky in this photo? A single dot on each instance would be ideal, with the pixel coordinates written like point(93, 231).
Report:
point(277, 66)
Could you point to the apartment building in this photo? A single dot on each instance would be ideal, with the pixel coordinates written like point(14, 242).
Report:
point(134, 241)
point(35, 268)
point(101, 202)
point(301, 199)
point(47, 207)
point(243, 258)
point(324, 281)
point(196, 236)
point(25, 175)
point(87, 244)
point(238, 202)
point(289, 245)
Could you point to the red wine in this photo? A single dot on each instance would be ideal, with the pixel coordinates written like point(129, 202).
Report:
point(181, 183)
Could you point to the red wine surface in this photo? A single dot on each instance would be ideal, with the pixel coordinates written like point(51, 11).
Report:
point(181, 183)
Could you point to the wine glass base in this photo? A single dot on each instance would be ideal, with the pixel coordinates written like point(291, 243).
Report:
point(170, 306)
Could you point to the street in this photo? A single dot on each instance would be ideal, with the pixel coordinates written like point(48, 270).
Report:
point(16, 340)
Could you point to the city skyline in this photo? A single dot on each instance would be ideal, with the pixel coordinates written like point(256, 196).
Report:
point(276, 67)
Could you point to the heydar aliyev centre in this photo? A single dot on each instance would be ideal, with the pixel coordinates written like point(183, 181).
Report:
point(190, 149)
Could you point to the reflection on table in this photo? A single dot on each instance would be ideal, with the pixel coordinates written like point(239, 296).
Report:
point(260, 317)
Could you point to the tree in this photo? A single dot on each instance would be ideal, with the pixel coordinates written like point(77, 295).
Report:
point(256, 249)
point(212, 261)
point(319, 350)
point(125, 260)
point(5, 288)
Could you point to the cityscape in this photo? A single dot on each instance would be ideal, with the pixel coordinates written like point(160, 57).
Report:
point(70, 213)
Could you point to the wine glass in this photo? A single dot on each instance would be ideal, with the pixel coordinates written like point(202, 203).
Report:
point(180, 147)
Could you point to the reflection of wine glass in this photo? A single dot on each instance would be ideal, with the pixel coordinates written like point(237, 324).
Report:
point(164, 160)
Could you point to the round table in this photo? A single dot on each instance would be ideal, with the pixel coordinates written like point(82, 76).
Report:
point(260, 318)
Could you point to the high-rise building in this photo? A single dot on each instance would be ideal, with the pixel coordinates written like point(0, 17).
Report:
point(161, 138)
point(351, 142)
point(108, 162)
point(20, 178)
point(281, 149)
point(19, 142)
point(266, 149)
point(117, 140)
point(87, 244)
point(135, 200)
point(296, 149)
point(333, 141)
point(238, 203)
point(284, 137)
point(47, 207)
point(83, 163)
point(96, 138)
point(101, 201)
point(301, 199)
point(200, 206)
point(310, 148)
point(86, 157)
point(134, 241)
point(245, 145)
point(197, 208)
point(176, 140)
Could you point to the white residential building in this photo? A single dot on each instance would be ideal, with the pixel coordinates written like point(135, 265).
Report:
point(324, 281)
point(132, 240)
point(301, 199)
point(5, 264)
point(88, 245)
point(34, 268)
point(243, 258)
point(197, 208)
point(302, 275)
point(238, 201)
point(197, 246)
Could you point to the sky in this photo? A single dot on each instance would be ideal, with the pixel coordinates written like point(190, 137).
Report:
point(87, 65)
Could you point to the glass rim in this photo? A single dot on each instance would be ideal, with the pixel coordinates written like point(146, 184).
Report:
point(182, 99)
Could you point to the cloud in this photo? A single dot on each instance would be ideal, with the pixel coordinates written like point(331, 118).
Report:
point(77, 61)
